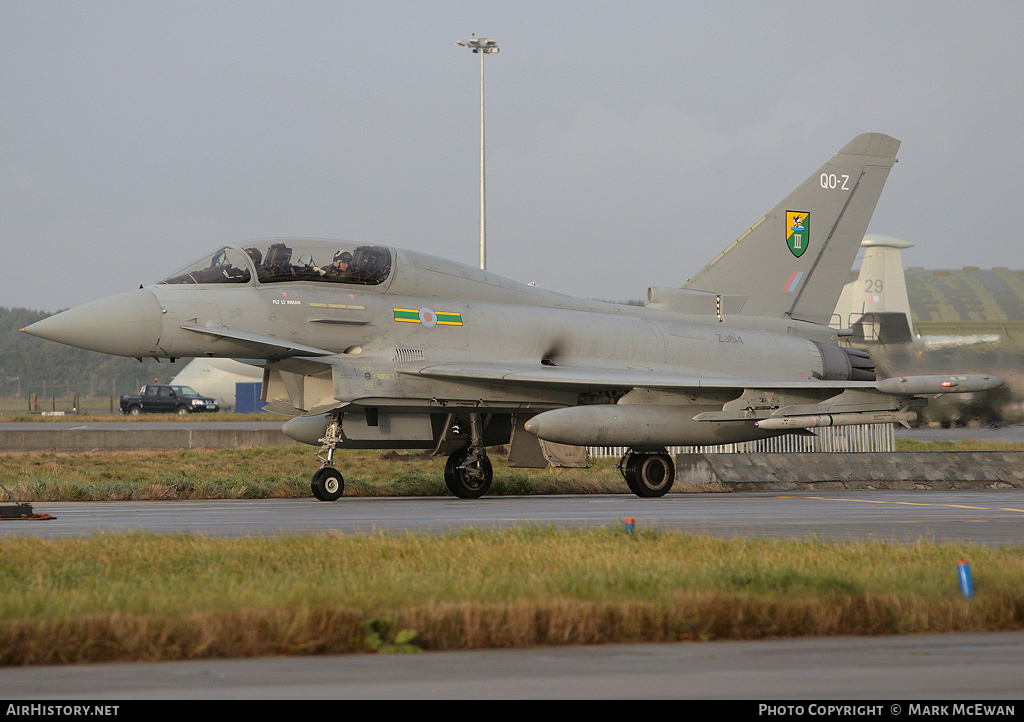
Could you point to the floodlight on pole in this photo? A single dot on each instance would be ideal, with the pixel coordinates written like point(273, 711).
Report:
point(482, 46)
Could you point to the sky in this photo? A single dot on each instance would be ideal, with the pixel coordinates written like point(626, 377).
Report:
point(627, 142)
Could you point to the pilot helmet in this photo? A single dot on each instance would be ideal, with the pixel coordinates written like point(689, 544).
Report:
point(343, 256)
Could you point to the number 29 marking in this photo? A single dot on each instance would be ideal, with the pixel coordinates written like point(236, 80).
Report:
point(832, 182)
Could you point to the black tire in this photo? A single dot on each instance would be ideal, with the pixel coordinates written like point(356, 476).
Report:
point(624, 466)
point(328, 484)
point(649, 475)
point(467, 483)
point(183, 411)
point(134, 410)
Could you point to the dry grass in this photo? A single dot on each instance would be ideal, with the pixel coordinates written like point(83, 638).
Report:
point(268, 472)
point(284, 472)
point(938, 445)
point(141, 596)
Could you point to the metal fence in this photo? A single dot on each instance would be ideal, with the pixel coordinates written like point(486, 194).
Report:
point(865, 437)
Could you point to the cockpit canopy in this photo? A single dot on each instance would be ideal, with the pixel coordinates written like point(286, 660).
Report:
point(298, 260)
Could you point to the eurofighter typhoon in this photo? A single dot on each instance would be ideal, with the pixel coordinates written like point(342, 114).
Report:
point(368, 346)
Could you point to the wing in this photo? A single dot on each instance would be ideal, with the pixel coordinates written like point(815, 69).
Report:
point(275, 347)
point(760, 408)
point(582, 378)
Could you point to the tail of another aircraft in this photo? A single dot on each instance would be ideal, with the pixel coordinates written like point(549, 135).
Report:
point(876, 306)
point(796, 259)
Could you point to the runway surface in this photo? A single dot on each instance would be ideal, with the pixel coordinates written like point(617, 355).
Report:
point(927, 667)
point(981, 516)
point(955, 666)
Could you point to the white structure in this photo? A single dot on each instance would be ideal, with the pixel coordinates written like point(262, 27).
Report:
point(217, 377)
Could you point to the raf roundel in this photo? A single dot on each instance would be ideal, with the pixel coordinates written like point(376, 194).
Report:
point(428, 317)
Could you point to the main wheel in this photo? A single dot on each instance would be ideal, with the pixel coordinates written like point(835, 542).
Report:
point(649, 474)
point(327, 484)
point(467, 481)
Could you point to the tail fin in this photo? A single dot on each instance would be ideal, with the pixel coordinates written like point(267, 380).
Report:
point(876, 306)
point(794, 261)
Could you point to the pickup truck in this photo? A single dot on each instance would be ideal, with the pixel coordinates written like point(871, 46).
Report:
point(160, 399)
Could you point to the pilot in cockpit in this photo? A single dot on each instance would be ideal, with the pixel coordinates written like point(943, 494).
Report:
point(341, 268)
point(255, 255)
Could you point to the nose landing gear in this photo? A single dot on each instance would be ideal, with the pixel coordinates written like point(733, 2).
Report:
point(328, 484)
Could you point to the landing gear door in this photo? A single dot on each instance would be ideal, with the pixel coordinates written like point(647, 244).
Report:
point(526, 451)
point(385, 426)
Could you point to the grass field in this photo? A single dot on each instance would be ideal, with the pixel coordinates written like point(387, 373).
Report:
point(284, 472)
point(146, 597)
point(266, 472)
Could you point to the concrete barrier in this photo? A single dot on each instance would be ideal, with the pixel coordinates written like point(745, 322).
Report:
point(64, 439)
point(893, 470)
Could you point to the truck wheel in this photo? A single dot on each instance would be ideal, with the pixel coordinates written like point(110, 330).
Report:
point(134, 410)
point(181, 410)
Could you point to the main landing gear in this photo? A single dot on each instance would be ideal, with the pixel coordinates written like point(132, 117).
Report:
point(648, 473)
point(467, 474)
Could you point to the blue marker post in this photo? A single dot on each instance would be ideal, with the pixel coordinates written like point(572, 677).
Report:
point(963, 569)
point(629, 526)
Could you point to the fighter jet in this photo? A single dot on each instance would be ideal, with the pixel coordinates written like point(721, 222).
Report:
point(368, 346)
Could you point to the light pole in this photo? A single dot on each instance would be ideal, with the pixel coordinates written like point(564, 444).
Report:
point(482, 46)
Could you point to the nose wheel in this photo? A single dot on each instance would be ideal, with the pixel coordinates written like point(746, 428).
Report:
point(328, 484)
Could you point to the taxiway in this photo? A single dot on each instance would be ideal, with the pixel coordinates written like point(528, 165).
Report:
point(928, 667)
point(994, 516)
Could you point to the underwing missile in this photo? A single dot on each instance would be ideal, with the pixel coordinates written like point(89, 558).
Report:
point(821, 420)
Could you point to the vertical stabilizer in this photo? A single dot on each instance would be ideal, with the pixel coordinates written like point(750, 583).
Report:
point(876, 306)
point(794, 261)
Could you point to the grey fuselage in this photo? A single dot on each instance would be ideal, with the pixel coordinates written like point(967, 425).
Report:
point(332, 344)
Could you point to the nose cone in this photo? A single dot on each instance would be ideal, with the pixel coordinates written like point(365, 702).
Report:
point(124, 325)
